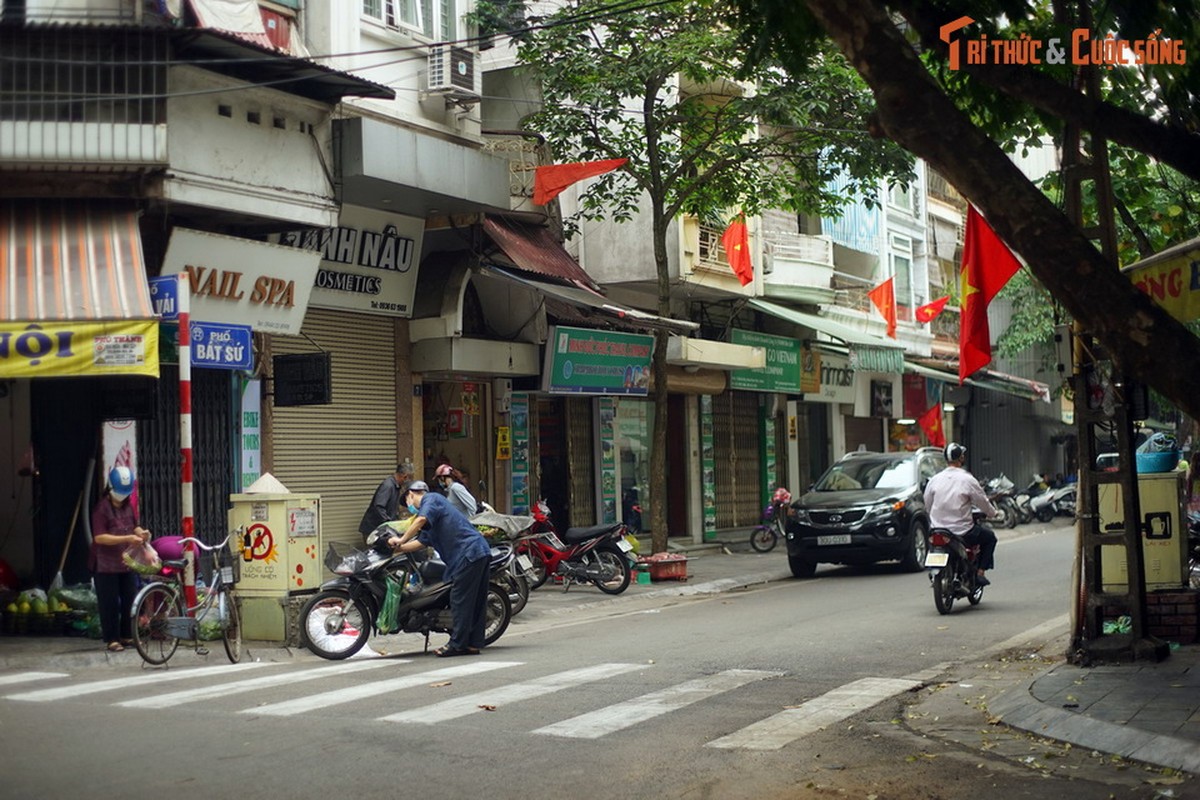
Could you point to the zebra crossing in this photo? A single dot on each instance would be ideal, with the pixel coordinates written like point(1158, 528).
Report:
point(253, 688)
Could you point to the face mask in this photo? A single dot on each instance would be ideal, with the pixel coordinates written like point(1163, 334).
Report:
point(412, 509)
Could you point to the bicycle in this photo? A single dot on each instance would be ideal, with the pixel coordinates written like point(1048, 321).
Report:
point(765, 535)
point(161, 617)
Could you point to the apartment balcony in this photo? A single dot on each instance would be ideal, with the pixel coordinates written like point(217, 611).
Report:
point(798, 267)
point(524, 154)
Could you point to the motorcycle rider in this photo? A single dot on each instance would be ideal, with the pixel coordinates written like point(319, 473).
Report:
point(951, 496)
point(437, 524)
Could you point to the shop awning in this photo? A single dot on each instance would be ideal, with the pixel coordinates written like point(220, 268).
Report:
point(987, 379)
point(533, 248)
point(586, 299)
point(74, 299)
point(867, 352)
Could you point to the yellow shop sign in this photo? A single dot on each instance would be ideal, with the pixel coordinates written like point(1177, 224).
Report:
point(62, 349)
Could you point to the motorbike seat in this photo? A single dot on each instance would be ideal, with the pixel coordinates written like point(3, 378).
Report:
point(577, 535)
point(500, 555)
point(432, 571)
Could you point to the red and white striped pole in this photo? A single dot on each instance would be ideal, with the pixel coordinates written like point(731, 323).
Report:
point(185, 436)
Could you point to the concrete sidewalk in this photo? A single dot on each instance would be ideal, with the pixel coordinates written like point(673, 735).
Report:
point(1143, 711)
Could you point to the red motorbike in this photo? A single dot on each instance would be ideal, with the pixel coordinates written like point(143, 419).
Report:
point(594, 555)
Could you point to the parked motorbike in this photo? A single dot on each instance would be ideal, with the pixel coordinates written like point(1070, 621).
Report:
point(337, 621)
point(999, 492)
point(952, 570)
point(595, 555)
point(767, 534)
point(516, 574)
point(1022, 499)
point(1194, 549)
point(1054, 501)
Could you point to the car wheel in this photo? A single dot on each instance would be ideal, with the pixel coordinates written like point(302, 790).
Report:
point(802, 567)
point(918, 546)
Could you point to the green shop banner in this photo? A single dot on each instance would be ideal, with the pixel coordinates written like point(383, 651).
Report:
point(782, 372)
point(582, 361)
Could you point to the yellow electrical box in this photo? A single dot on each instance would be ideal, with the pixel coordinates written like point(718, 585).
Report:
point(1161, 500)
point(280, 546)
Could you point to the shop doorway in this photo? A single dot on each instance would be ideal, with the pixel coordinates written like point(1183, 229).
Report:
point(455, 432)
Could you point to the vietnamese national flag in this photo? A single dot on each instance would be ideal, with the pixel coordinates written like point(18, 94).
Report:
point(987, 265)
point(736, 241)
point(550, 180)
point(931, 423)
point(926, 313)
point(884, 298)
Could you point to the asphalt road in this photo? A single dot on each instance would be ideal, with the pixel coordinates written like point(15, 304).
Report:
point(786, 691)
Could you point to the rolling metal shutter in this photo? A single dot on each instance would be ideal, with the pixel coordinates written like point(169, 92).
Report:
point(737, 448)
point(341, 451)
point(580, 457)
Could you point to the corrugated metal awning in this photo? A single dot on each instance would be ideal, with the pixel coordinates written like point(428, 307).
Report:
point(71, 260)
point(1014, 385)
point(532, 248)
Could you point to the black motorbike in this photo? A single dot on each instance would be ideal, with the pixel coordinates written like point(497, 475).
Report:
point(952, 570)
point(337, 621)
point(1194, 549)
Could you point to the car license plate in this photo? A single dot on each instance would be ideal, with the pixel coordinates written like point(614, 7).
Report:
point(840, 538)
point(624, 546)
point(524, 562)
point(936, 560)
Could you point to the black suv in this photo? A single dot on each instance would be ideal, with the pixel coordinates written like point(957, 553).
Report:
point(867, 507)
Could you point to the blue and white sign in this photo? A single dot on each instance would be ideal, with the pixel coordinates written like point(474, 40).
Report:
point(222, 346)
point(164, 296)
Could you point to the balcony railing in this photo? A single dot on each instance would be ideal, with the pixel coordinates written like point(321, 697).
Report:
point(77, 97)
point(525, 154)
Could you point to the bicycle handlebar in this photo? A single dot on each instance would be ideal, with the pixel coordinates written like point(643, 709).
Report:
point(207, 547)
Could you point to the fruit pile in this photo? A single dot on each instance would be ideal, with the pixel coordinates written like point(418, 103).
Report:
point(32, 612)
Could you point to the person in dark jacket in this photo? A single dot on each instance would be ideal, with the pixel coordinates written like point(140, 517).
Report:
point(439, 525)
point(385, 505)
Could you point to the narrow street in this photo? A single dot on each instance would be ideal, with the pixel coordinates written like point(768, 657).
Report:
point(801, 689)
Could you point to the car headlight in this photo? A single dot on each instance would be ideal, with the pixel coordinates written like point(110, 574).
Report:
point(798, 514)
point(884, 509)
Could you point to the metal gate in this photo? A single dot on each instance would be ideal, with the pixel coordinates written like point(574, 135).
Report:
point(581, 458)
point(737, 442)
point(214, 429)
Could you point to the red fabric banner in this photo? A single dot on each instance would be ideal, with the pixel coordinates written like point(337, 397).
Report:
point(736, 241)
point(884, 298)
point(987, 265)
point(550, 180)
point(928, 312)
point(931, 423)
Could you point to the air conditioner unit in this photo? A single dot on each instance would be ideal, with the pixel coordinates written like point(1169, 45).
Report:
point(454, 74)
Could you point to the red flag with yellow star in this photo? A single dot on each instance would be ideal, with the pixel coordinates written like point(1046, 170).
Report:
point(931, 423)
point(884, 298)
point(736, 241)
point(928, 312)
point(987, 265)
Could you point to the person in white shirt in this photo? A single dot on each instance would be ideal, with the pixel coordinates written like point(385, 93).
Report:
point(951, 498)
point(451, 482)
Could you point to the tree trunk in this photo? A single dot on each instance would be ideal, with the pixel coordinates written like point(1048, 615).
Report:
point(1145, 341)
point(658, 442)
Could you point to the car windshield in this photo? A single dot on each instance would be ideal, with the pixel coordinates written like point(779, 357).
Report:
point(867, 473)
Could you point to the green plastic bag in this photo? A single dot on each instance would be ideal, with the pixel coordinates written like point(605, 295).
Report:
point(386, 621)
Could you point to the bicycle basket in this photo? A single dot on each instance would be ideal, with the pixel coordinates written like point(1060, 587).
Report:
point(342, 559)
point(230, 564)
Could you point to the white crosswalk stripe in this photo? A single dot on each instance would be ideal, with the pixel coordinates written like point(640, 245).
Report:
point(513, 692)
point(376, 689)
point(251, 684)
point(833, 706)
point(140, 681)
point(26, 677)
point(623, 715)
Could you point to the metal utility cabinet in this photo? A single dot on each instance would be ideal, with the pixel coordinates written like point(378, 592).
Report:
point(281, 558)
point(1163, 532)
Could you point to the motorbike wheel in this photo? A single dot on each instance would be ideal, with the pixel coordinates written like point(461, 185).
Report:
point(764, 538)
point(613, 564)
point(518, 592)
point(1194, 568)
point(537, 572)
point(333, 625)
point(1044, 514)
point(1010, 513)
point(918, 546)
point(943, 589)
point(499, 613)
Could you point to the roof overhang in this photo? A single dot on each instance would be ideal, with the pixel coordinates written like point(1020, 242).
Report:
point(694, 354)
point(867, 352)
point(1014, 385)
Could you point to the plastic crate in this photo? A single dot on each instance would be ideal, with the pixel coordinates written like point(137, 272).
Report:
point(1163, 461)
point(664, 567)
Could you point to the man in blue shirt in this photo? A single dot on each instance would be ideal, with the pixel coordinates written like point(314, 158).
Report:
point(437, 524)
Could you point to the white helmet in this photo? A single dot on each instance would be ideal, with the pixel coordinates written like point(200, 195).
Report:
point(955, 452)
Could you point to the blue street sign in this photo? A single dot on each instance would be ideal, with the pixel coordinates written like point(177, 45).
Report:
point(164, 296)
point(222, 346)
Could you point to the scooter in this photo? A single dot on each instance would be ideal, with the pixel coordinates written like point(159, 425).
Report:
point(952, 571)
point(1048, 504)
point(1194, 549)
point(595, 555)
point(999, 492)
point(337, 621)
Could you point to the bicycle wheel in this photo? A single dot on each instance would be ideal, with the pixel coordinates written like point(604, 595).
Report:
point(231, 628)
point(153, 608)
